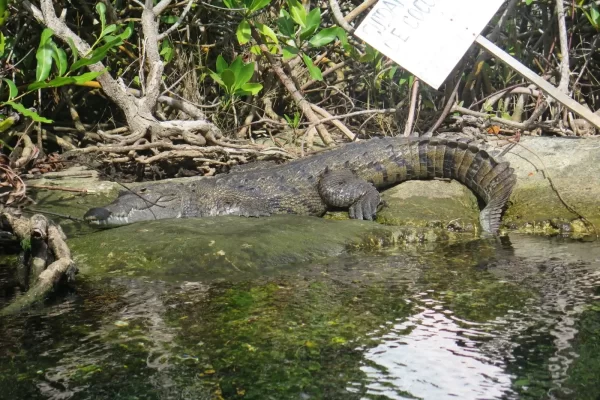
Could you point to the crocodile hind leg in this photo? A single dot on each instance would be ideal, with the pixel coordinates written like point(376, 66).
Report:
point(345, 189)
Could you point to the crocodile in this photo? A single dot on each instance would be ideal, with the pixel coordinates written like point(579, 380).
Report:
point(349, 177)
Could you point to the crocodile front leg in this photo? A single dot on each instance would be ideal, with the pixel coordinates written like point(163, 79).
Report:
point(344, 189)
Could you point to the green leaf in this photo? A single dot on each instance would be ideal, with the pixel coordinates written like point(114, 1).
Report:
point(236, 65)
point(313, 70)
point(97, 55)
point(267, 31)
point(88, 76)
point(127, 32)
point(244, 75)
point(109, 29)
point(109, 38)
point(56, 82)
point(18, 107)
point(221, 64)
point(44, 62)
point(44, 56)
point(60, 59)
point(243, 32)
point(101, 10)
point(258, 4)
point(5, 124)
point(169, 19)
point(255, 50)
point(46, 35)
point(66, 80)
point(297, 12)
point(4, 14)
point(167, 51)
point(217, 78)
point(13, 91)
point(594, 15)
point(2, 44)
point(285, 23)
point(313, 20)
point(341, 34)
point(228, 78)
point(324, 37)
point(289, 52)
point(252, 88)
point(74, 51)
point(370, 54)
point(230, 3)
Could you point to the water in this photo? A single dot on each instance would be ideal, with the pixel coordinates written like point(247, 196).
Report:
point(477, 320)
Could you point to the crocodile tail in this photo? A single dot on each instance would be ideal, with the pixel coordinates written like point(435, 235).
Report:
point(491, 180)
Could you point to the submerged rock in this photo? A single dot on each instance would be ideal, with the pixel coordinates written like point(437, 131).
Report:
point(222, 247)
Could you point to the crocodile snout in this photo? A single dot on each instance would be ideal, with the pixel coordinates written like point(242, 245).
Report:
point(97, 215)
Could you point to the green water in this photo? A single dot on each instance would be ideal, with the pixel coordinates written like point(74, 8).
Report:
point(476, 320)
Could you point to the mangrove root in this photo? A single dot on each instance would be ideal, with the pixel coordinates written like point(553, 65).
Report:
point(46, 261)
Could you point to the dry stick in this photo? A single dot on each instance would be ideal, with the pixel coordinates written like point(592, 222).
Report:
point(483, 56)
point(514, 89)
point(519, 125)
point(52, 214)
point(544, 85)
point(62, 189)
point(324, 74)
point(446, 110)
point(354, 114)
point(177, 23)
point(247, 126)
point(565, 72)
point(339, 17)
point(587, 59)
point(301, 102)
point(359, 10)
point(563, 201)
point(73, 111)
point(335, 122)
point(411, 111)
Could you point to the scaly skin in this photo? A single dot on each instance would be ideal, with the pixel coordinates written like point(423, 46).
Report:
point(347, 177)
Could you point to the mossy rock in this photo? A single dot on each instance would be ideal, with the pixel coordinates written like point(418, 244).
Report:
point(536, 208)
point(430, 204)
point(221, 247)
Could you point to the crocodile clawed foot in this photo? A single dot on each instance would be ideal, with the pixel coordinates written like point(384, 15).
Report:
point(366, 206)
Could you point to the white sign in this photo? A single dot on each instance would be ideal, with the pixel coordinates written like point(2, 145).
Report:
point(426, 37)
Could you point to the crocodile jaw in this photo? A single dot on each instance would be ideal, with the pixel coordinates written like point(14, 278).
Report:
point(132, 207)
point(103, 217)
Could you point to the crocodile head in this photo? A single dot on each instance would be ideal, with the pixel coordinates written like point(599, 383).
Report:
point(140, 204)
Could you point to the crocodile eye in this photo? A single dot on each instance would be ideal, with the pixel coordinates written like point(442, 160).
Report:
point(143, 190)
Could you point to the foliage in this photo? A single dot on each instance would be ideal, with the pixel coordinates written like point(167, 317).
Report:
point(293, 122)
point(235, 77)
point(218, 54)
point(49, 55)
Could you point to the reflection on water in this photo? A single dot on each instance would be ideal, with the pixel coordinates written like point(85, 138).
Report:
point(474, 320)
point(434, 354)
point(431, 356)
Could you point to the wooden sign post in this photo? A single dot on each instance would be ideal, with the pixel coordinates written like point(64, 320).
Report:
point(429, 37)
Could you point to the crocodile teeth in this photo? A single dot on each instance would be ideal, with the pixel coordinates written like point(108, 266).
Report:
point(114, 219)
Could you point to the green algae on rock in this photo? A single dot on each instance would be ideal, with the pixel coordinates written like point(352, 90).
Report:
point(432, 204)
point(221, 247)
